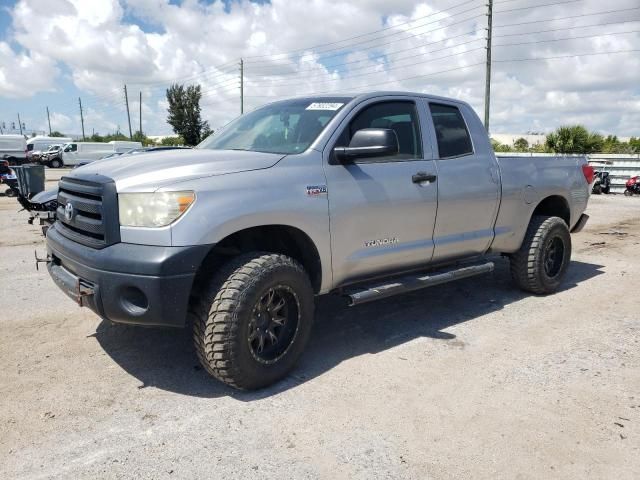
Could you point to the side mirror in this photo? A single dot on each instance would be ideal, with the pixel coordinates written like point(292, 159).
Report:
point(367, 143)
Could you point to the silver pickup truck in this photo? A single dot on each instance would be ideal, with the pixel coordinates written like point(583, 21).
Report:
point(365, 195)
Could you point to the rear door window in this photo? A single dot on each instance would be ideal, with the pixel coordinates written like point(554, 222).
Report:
point(451, 131)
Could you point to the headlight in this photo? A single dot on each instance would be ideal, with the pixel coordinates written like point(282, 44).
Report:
point(156, 209)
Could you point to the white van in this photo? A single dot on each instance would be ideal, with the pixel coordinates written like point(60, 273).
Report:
point(40, 144)
point(79, 152)
point(13, 148)
point(120, 146)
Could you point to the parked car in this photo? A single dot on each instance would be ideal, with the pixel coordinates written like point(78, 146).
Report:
point(39, 144)
point(76, 152)
point(601, 183)
point(52, 156)
point(13, 148)
point(357, 195)
point(632, 186)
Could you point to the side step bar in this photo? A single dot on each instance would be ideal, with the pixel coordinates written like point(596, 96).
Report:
point(415, 282)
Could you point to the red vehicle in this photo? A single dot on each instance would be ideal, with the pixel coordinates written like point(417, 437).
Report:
point(633, 186)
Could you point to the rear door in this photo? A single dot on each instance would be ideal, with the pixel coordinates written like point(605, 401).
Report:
point(468, 182)
point(381, 219)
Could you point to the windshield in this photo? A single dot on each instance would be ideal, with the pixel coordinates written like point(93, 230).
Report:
point(282, 127)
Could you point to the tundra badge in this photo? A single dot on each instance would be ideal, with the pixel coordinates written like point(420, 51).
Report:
point(380, 242)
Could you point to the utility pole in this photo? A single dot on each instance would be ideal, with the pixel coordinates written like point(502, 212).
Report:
point(81, 118)
point(487, 86)
point(49, 121)
point(20, 124)
point(140, 105)
point(241, 86)
point(126, 99)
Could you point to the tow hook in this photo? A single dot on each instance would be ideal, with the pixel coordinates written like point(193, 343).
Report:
point(47, 259)
point(83, 290)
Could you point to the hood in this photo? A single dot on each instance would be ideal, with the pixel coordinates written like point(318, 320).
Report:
point(153, 170)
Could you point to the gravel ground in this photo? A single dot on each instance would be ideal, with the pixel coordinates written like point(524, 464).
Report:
point(468, 380)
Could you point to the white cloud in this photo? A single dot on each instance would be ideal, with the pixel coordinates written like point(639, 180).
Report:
point(103, 44)
point(23, 73)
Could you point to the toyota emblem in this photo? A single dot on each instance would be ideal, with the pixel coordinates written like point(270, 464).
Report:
point(68, 211)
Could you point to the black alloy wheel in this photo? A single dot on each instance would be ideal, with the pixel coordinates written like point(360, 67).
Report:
point(553, 256)
point(274, 324)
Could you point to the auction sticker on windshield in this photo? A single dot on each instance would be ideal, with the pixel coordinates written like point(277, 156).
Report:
point(324, 106)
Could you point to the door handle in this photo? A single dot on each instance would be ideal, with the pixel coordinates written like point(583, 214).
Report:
point(423, 177)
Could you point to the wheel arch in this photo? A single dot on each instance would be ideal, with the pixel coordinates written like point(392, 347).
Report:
point(284, 239)
point(553, 206)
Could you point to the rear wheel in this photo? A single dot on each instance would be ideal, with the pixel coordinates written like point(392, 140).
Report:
point(542, 260)
point(253, 319)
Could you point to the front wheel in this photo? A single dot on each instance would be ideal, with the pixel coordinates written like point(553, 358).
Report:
point(56, 163)
point(628, 193)
point(252, 320)
point(542, 260)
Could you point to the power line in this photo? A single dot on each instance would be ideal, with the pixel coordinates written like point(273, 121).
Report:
point(565, 28)
point(566, 18)
point(566, 38)
point(340, 50)
point(184, 78)
point(314, 47)
point(382, 55)
point(537, 6)
point(346, 77)
point(396, 80)
point(395, 67)
point(566, 56)
point(403, 31)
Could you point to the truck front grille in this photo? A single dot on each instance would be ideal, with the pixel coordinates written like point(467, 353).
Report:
point(87, 211)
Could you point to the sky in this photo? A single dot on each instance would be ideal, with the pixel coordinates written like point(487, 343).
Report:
point(555, 62)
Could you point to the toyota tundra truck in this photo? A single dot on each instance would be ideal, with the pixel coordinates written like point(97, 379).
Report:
point(366, 196)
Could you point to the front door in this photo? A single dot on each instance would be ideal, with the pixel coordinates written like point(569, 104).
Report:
point(382, 210)
point(70, 154)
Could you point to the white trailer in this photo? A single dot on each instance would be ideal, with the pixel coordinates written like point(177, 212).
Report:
point(13, 148)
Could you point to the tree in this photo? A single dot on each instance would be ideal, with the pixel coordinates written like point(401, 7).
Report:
point(574, 139)
point(499, 147)
point(56, 133)
point(142, 138)
point(172, 141)
point(521, 145)
point(184, 113)
point(634, 143)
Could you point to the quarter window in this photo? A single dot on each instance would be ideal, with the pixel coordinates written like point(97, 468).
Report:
point(401, 117)
point(451, 131)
